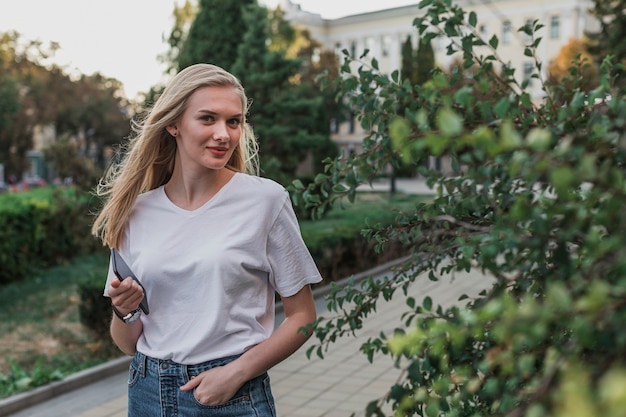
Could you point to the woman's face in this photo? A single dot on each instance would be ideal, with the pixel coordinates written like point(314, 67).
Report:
point(210, 128)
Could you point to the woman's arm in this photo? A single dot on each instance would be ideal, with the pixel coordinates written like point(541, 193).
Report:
point(287, 338)
point(125, 297)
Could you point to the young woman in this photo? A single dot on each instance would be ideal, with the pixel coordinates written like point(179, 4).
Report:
point(211, 244)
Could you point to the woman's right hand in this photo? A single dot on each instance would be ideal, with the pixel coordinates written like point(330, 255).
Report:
point(125, 295)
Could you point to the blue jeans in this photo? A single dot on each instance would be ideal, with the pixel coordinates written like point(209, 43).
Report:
point(154, 391)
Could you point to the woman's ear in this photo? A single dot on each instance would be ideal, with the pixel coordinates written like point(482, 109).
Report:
point(172, 130)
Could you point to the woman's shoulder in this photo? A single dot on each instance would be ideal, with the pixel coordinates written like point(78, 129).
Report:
point(149, 198)
point(259, 185)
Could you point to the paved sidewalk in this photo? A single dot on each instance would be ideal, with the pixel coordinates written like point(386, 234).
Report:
point(341, 384)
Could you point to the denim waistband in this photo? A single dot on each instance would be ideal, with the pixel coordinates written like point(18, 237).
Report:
point(165, 367)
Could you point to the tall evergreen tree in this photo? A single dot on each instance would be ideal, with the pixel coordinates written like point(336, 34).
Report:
point(184, 16)
point(610, 40)
point(407, 69)
point(215, 34)
point(425, 61)
point(282, 116)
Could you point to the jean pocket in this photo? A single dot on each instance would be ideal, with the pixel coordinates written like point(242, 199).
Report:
point(240, 399)
point(269, 397)
point(133, 373)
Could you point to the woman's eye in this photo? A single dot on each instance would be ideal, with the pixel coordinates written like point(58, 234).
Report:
point(234, 122)
point(208, 118)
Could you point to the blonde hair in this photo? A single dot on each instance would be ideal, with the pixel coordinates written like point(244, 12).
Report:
point(149, 160)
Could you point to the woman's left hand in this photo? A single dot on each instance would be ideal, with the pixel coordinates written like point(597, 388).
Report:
point(215, 386)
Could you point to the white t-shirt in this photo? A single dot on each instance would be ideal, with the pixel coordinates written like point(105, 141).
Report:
point(210, 274)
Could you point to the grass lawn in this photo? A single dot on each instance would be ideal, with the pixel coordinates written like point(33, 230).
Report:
point(42, 338)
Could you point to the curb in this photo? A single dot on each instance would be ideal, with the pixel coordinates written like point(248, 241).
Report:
point(87, 376)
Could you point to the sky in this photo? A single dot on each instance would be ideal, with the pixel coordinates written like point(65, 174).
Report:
point(122, 38)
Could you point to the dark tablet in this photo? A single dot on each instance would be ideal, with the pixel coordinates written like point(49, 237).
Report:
point(122, 271)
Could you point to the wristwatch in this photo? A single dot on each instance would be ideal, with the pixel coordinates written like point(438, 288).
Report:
point(130, 317)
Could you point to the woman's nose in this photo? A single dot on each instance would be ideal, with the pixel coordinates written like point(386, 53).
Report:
point(220, 131)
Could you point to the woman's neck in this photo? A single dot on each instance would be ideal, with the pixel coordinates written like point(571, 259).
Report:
point(190, 192)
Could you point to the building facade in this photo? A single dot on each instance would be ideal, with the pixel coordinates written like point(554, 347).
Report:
point(383, 32)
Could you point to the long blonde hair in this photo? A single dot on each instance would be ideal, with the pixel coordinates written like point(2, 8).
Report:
point(149, 160)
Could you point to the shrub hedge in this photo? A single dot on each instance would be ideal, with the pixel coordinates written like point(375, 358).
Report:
point(42, 228)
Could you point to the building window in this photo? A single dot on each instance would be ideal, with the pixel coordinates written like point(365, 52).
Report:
point(386, 45)
point(370, 45)
point(353, 48)
point(555, 27)
point(507, 34)
point(482, 31)
point(528, 72)
point(352, 124)
point(338, 52)
point(528, 38)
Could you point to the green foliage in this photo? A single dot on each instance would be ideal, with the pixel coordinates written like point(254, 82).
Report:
point(9, 103)
point(342, 244)
point(42, 228)
point(215, 34)
point(183, 16)
point(425, 57)
point(91, 108)
point(408, 71)
point(40, 325)
point(95, 309)
point(64, 155)
point(283, 114)
point(19, 379)
point(536, 202)
point(610, 40)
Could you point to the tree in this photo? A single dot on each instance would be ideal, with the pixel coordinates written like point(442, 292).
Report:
point(283, 118)
point(9, 109)
point(537, 203)
point(425, 61)
point(610, 40)
point(183, 18)
point(417, 67)
point(215, 34)
point(90, 108)
point(26, 87)
point(65, 156)
point(573, 68)
point(408, 70)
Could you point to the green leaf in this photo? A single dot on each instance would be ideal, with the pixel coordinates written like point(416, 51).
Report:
point(320, 178)
point(473, 19)
point(502, 107)
point(449, 122)
point(493, 42)
point(298, 184)
point(509, 137)
point(427, 303)
point(539, 139)
point(562, 178)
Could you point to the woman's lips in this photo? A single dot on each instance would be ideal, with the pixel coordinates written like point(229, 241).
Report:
point(218, 151)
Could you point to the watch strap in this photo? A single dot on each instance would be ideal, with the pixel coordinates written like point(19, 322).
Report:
point(130, 317)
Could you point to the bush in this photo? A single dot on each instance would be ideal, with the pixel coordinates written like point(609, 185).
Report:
point(538, 203)
point(340, 245)
point(95, 309)
point(42, 228)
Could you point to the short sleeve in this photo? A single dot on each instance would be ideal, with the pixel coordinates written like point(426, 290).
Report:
point(291, 265)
